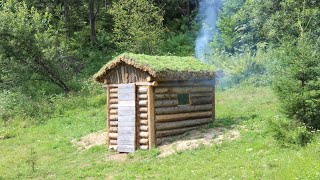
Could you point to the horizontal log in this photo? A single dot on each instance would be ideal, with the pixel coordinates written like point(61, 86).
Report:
point(113, 129)
point(144, 147)
point(144, 122)
point(174, 132)
point(203, 94)
point(113, 117)
point(182, 109)
point(201, 100)
point(143, 115)
point(161, 90)
point(113, 123)
point(113, 147)
point(143, 103)
point(113, 135)
point(113, 95)
point(166, 103)
point(165, 96)
point(143, 109)
point(113, 101)
point(154, 83)
point(142, 90)
point(143, 128)
point(113, 142)
point(113, 90)
point(142, 96)
point(144, 141)
point(183, 116)
point(195, 82)
point(182, 124)
point(144, 134)
point(114, 111)
point(113, 106)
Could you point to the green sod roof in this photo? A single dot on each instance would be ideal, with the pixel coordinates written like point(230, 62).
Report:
point(161, 67)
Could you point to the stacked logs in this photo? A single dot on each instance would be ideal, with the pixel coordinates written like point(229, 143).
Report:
point(173, 119)
point(142, 116)
point(113, 117)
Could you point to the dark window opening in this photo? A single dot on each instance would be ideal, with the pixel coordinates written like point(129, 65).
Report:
point(183, 99)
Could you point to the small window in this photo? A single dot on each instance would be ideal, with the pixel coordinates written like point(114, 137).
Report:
point(183, 99)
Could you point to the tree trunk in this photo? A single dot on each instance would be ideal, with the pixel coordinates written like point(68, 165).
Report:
point(51, 75)
point(92, 21)
point(67, 18)
point(188, 7)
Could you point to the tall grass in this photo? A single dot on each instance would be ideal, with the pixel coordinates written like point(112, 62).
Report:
point(18, 110)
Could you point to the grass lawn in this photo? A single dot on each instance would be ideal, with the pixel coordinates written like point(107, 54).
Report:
point(255, 155)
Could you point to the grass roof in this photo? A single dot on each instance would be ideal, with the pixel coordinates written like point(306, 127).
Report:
point(161, 67)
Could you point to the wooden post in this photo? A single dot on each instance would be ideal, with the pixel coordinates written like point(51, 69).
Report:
point(151, 123)
point(108, 114)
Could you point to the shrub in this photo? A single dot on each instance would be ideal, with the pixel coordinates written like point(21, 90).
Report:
point(289, 133)
point(297, 81)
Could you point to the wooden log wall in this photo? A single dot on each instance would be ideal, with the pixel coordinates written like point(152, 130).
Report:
point(173, 119)
point(112, 117)
point(124, 73)
point(142, 118)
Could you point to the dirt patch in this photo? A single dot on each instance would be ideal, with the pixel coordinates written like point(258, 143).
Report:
point(90, 140)
point(170, 145)
point(195, 138)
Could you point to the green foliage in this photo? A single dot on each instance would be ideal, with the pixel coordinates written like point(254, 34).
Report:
point(242, 69)
point(255, 155)
point(297, 81)
point(31, 50)
point(137, 26)
point(159, 64)
point(28, 110)
point(32, 159)
point(179, 45)
point(289, 133)
point(245, 24)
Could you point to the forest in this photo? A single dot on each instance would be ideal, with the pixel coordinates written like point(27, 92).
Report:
point(267, 60)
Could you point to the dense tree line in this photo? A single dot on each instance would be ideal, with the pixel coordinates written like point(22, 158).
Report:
point(50, 41)
point(49, 46)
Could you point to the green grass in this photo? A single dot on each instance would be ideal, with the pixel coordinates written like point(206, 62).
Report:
point(162, 63)
point(255, 155)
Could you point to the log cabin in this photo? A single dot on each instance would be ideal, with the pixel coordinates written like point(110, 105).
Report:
point(153, 97)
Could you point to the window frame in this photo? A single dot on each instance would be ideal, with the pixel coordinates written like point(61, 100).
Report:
point(188, 99)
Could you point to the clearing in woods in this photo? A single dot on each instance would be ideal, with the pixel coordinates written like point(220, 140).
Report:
point(237, 145)
point(187, 141)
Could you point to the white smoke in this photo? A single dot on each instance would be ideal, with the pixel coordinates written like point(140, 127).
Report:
point(208, 13)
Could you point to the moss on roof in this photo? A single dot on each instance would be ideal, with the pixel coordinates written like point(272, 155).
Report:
point(161, 67)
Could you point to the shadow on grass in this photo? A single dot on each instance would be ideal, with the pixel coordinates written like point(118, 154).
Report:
point(230, 122)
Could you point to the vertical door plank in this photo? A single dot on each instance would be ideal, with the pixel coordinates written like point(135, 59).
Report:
point(126, 117)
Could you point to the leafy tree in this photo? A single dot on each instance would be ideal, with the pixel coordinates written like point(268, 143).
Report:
point(137, 26)
point(252, 23)
point(30, 49)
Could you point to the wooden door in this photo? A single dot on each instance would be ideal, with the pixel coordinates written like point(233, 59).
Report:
point(126, 117)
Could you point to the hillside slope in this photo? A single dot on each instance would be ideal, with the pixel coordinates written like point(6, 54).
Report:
point(254, 155)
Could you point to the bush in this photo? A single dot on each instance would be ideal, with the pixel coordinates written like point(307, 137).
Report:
point(39, 108)
point(289, 133)
point(297, 81)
